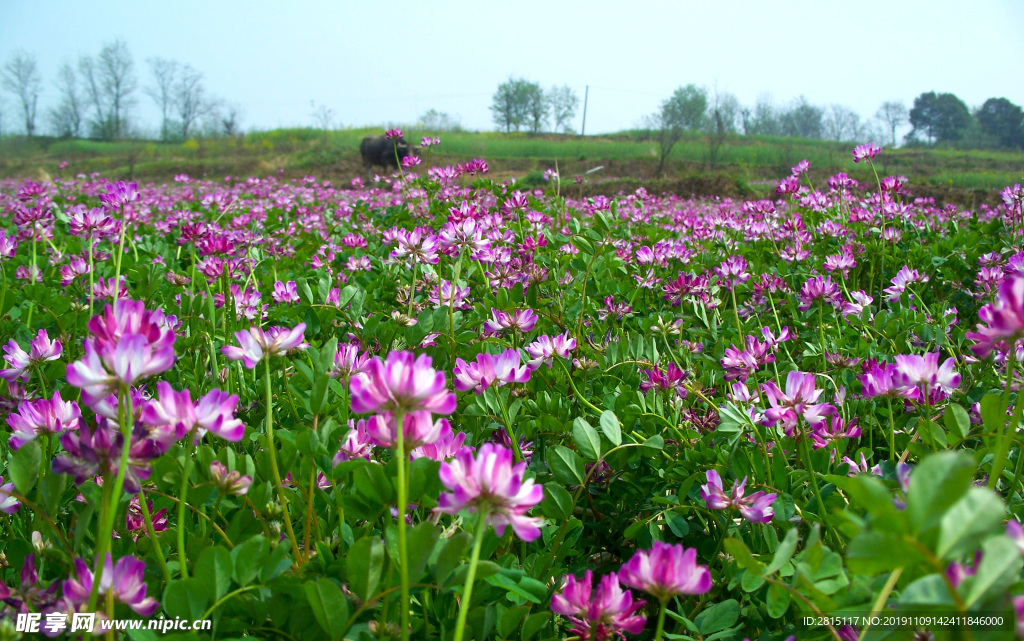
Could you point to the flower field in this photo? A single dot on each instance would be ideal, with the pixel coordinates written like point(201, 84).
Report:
point(434, 406)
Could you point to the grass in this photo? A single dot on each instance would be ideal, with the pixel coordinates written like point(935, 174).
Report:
point(628, 154)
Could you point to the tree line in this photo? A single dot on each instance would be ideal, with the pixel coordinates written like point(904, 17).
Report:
point(97, 96)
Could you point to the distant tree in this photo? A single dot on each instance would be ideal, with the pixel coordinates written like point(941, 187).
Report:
point(20, 76)
point(722, 114)
point(802, 120)
point(1002, 120)
point(683, 111)
point(190, 100)
point(165, 73)
point(67, 116)
point(510, 107)
point(110, 81)
point(537, 108)
point(763, 119)
point(438, 121)
point(323, 116)
point(940, 117)
point(231, 120)
point(563, 102)
point(892, 113)
point(841, 123)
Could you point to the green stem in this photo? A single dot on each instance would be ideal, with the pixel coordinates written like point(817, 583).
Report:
point(467, 589)
point(182, 503)
point(92, 276)
point(1002, 447)
point(814, 483)
point(126, 414)
point(148, 519)
point(403, 551)
point(412, 290)
point(892, 430)
point(736, 315)
point(272, 452)
point(120, 254)
point(661, 622)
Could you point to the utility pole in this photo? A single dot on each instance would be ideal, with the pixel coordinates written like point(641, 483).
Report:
point(583, 129)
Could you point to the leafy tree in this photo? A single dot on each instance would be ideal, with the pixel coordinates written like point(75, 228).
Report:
point(1001, 119)
point(563, 102)
point(20, 76)
point(683, 111)
point(437, 121)
point(510, 105)
point(763, 119)
point(802, 120)
point(892, 113)
point(537, 108)
point(720, 123)
point(940, 117)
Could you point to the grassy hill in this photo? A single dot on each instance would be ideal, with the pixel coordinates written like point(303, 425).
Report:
point(745, 163)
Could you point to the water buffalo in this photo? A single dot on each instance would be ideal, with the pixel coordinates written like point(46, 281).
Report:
point(379, 151)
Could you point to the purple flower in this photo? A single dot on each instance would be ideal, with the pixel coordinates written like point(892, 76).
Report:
point(818, 288)
point(521, 320)
point(598, 615)
point(8, 504)
point(123, 581)
point(545, 348)
point(418, 428)
point(119, 194)
point(175, 411)
point(38, 417)
point(1002, 320)
point(666, 571)
point(865, 152)
point(285, 292)
point(255, 344)
point(756, 508)
point(862, 467)
point(490, 482)
point(923, 377)
point(446, 447)
point(834, 429)
point(349, 361)
point(732, 272)
point(92, 452)
point(799, 400)
point(403, 383)
point(357, 443)
point(41, 349)
point(229, 482)
point(393, 134)
point(490, 369)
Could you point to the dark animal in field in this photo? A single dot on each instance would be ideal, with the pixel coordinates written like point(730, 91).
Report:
point(379, 151)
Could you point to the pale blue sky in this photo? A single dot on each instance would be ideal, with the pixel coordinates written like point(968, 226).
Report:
point(380, 62)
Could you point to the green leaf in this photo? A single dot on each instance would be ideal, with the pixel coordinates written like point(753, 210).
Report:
point(872, 494)
point(330, 607)
point(24, 467)
point(610, 427)
point(677, 524)
point(979, 513)
point(957, 421)
point(588, 442)
point(528, 592)
point(276, 564)
point(535, 622)
point(784, 553)
point(214, 569)
point(363, 565)
point(653, 445)
point(718, 617)
point(929, 590)
point(451, 556)
point(739, 551)
point(566, 465)
point(999, 569)
point(421, 542)
point(186, 599)
point(777, 601)
point(557, 502)
point(247, 559)
point(993, 413)
point(873, 552)
point(51, 488)
point(937, 483)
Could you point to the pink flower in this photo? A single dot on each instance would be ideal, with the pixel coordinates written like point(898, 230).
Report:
point(490, 369)
point(489, 482)
point(920, 376)
point(175, 412)
point(124, 581)
point(756, 508)
point(403, 383)
point(8, 504)
point(818, 288)
point(865, 152)
point(862, 467)
point(418, 428)
point(666, 571)
point(732, 272)
point(128, 345)
point(285, 292)
point(832, 430)
point(119, 194)
point(357, 443)
point(393, 134)
point(1002, 320)
point(38, 417)
point(446, 447)
point(135, 520)
point(8, 245)
point(41, 350)
point(545, 348)
point(598, 615)
point(521, 320)
point(799, 400)
point(255, 344)
point(229, 482)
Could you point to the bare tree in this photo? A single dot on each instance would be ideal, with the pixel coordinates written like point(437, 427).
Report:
point(67, 116)
point(563, 102)
point(165, 73)
point(841, 123)
point(190, 99)
point(109, 84)
point(892, 113)
point(723, 111)
point(231, 120)
point(323, 116)
point(20, 76)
